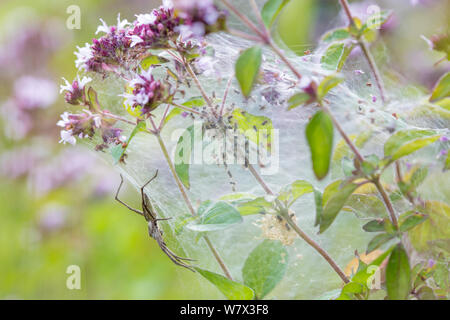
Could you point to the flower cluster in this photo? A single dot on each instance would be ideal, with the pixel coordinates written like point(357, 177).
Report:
point(80, 125)
point(74, 93)
point(155, 29)
point(200, 17)
point(145, 93)
point(106, 50)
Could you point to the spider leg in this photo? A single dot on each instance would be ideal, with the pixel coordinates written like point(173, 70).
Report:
point(143, 187)
point(123, 203)
point(178, 258)
point(162, 219)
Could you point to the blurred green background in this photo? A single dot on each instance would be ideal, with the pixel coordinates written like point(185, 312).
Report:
point(55, 213)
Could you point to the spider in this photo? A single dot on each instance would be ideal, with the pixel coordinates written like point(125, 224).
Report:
point(153, 230)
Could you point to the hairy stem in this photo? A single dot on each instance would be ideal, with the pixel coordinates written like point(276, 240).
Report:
point(343, 134)
point(189, 204)
point(245, 20)
point(366, 52)
point(317, 247)
point(387, 202)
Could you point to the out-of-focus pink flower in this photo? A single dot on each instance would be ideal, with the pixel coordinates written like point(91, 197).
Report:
point(32, 92)
point(52, 217)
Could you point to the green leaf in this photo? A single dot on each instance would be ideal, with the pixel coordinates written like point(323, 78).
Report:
point(290, 193)
point(258, 205)
point(231, 289)
point(447, 162)
point(193, 102)
point(319, 133)
point(398, 274)
point(265, 267)
point(319, 209)
point(410, 220)
point(374, 226)
point(257, 129)
point(434, 228)
point(440, 274)
point(298, 99)
point(151, 60)
point(213, 217)
point(366, 206)
point(335, 204)
point(327, 84)
point(350, 289)
point(118, 151)
point(363, 274)
point(405, 142)
point(247, 68)
point(271, 10)
point(94, 105)
point(183, 152)
point(336, 35)
point(335, 56)
point(442, 88)
point(378, 241)
point(376, 20)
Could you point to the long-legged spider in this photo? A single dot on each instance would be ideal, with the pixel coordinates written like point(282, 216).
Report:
point(153, 230)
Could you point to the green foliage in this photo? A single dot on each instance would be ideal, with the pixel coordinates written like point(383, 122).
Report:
point(442, 88)
point(94, 105)
point(334, 199)
point(215, 216)
point(183, 151)
point(298, 99)
point(327, 84)
point(336, 35)
point(335, 56)
point(319, 133)
point(434, 228)
point(152, 60)
point(258, 129)
point(247, 68)
point(193, 102)
point(405, 142)
point(271, 10)
point(398, 274)
point(290, 193)
point(410, 220)
point(265, 267)
point(230, 289)
point(118, 151)
point(378, 241)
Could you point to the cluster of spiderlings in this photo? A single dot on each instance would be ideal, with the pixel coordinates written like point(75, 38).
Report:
point(74, 93)
point(156, 29)
point(145, 93)
point(84, 125)
point(200, 17)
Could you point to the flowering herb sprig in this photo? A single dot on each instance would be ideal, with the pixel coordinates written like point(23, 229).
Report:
point(178, 32)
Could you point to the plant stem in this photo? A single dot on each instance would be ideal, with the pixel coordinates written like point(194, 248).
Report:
point(186, 108)
point(374, 68)
point(189, 204)
point(283, 57)
point(199, 85)
point(245, 20)
point(387, 202)
point(366, 52)
point(343, 134)
point(317, 247)
point(218, 258)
